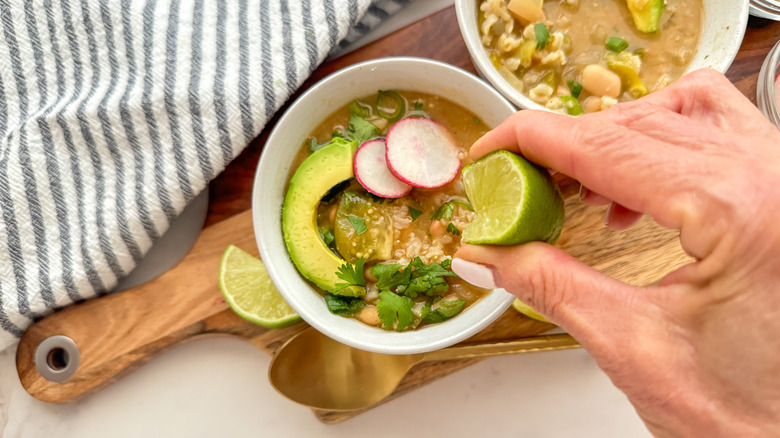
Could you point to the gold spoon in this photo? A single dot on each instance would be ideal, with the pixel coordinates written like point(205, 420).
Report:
point(314, 370)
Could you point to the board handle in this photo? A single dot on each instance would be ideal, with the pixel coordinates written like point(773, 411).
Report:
point(85, 346)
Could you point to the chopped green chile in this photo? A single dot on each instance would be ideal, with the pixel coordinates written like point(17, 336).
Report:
point(360, 108)
point(387, 99)
point(616, 44)
point(573, 106)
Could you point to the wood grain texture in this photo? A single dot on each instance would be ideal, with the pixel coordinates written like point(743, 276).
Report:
point(118, 333)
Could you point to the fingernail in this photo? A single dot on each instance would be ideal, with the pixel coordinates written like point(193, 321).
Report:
point(474, 273)
point(584, 192)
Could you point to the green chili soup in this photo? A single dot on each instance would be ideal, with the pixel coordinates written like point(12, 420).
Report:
point(401, 247)
point(551, 59)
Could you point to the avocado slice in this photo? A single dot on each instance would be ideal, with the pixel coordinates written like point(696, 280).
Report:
point(321, 171)
point(646, 14)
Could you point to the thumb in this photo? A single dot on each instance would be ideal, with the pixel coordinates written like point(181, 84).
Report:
point(589, 305)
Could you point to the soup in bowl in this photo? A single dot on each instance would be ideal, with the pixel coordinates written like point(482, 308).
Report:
point(580, 56)
point(363, 258)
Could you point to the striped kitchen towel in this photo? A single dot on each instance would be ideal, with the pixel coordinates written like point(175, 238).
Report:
point(114, 114)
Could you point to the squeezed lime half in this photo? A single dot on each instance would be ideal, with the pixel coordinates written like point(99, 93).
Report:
point(515, 201)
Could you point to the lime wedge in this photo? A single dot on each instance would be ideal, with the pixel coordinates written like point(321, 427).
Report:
point(250, 293)
point(515, 201)
point(528, 311)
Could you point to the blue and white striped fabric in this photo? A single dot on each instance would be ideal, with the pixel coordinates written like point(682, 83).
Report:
point(114, 114)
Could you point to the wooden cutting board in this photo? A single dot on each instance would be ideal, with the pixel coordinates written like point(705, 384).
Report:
point(116, 334)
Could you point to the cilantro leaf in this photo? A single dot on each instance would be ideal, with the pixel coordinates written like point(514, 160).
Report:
point(350, 197)
point(390, 275)
point(418, 106)
point(443, 212)
point(425, 310)
point(358, 223)
point(415, 213)
point(445, 311)
point(414, 279)
point(542, 36)
point(452, 229)
point(395, 311)
point(447, 209)
point(462, 203)
point(352, 274)
point(360, 129)
point(426, 279)
point(344, 306)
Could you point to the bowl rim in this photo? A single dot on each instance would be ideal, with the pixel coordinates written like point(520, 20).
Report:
point(428, 338)
point(485, 68)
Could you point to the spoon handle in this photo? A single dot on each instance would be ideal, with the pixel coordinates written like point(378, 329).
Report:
point(536, 343)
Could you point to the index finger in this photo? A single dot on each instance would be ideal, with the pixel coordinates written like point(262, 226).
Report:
point(630, 166)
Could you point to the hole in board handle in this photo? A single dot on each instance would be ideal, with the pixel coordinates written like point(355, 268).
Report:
point(57, 358)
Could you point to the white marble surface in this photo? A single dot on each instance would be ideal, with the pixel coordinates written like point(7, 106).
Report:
point(218, 387)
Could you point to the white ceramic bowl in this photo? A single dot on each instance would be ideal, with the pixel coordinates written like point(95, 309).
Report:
point(724, 26)
point(766, 90)
point(272, 172)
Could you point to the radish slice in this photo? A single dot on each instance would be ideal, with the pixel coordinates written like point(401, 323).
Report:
point(372, 172)
point(422, 153)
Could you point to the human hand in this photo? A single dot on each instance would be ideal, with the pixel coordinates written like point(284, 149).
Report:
point(699, 353)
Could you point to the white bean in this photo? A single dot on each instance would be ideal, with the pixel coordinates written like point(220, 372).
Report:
point(592, 104)
point(370, 316)
point(599, 81)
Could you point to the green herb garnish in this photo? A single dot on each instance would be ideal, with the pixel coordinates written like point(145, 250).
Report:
point(446, 209)
point(344, 306)
point(616, 44)
point(358, 223)
point(360, 129)
point(395, 310)
point(542, 36)
point(390, 275)
point(452, 229)
point(443, 212)
point(352, 274)
point(575, 87)
point(350, 198)
point(462, 203)
point(413, 279)
point(415, 213)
